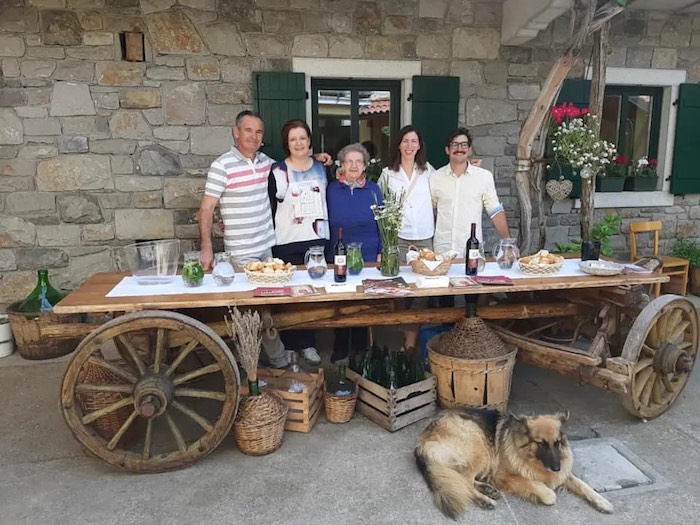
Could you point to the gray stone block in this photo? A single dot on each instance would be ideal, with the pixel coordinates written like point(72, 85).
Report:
point(156, 160)
point(58, 235)
point(60, 28)
point(38, 151)
point(79, 209)
point(72, 144)
point(183, 192)
point(16, 232)
point(71, 98)
point(113, 146)
point(38, 126)
point(38, 258)
point(11, 129)
point(133, 224)
point(184, 103)
point(11, 45)
point(484, 111)
point(74, 172)
point(222, 38)
point(129, 124)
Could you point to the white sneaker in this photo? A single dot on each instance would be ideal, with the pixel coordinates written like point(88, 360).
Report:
point(311, 355)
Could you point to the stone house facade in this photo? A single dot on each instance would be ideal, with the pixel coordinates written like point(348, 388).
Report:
point(96, 151)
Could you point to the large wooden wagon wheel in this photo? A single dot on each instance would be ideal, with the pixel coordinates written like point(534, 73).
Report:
point(170, 408)
point(663, 345)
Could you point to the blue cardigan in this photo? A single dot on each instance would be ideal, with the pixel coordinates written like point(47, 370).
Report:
point(351, 211)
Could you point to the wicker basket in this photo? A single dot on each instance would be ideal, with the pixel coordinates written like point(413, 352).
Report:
point(108, 425)
point(470, 338)
point(471, 383)
point(418, 265)
point(27, 331)
point(540, 269)
point(602, 268)
point(259, 425)
point(339, 409)
point(279, 277)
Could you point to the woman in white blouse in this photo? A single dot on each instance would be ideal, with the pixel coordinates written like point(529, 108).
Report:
point(409, 171)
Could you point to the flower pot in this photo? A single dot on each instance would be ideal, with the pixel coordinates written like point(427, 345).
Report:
point(610, 184)
point(557, 170)
point(640, 183)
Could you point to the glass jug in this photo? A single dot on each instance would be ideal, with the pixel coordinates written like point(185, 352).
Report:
point(506, 253)
point(315, 262)
point(355, 259)
point(223, 272)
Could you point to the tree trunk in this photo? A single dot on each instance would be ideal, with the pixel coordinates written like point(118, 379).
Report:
point(595, 107)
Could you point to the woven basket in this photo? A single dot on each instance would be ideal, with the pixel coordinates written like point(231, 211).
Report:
point(108, 425)
point(259, 425)
point(280, 277)
point(419, 266)
point(27, 331)
point(470, 338)
point(540, 269)
point(339, 409)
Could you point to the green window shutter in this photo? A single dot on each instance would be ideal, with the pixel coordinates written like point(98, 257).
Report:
point(575, 90)
point(279, 97)
point(435, 113)
point(685, 176)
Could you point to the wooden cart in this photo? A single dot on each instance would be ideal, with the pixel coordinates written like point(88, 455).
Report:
point(176, 383)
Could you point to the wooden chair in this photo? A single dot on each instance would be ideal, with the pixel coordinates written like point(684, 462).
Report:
point(673, 266)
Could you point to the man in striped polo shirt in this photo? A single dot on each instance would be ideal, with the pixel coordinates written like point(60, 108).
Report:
point(237, 181)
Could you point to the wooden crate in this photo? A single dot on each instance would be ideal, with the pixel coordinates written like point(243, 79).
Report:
point(396, 408)
point(304, 407)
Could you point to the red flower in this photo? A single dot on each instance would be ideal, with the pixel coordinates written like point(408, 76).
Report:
point(621, 159)
point(653, 163)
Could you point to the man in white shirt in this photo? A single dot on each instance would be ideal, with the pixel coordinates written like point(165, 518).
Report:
point(461, 192)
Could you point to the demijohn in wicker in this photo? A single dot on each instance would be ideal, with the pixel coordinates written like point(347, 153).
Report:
point(339, 409)
point(259, 425)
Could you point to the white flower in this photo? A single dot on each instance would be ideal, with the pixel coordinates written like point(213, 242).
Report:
point(642, 162)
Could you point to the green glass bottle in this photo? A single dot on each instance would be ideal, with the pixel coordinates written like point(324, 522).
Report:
point(43, 297)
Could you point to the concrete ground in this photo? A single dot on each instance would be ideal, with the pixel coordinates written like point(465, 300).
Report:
point(342, 474)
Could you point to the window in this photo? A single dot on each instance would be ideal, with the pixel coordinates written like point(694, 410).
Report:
point(347, 111)
point(631, 120)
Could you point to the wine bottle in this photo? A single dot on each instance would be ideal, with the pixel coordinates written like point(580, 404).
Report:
point(473, 254)
point(43, 297)
point(341, 386)
point(340, 263)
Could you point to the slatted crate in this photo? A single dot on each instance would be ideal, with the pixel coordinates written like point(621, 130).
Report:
point(304, 407)
point(394, 409)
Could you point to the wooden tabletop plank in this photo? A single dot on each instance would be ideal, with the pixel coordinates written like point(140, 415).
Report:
point(90, 296)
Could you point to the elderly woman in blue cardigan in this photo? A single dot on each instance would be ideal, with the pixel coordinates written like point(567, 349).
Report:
point(349, 199)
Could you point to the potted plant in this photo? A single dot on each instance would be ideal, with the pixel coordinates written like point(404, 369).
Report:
point(577, 144)
point(603, 231)
point(613, 176)
point(689, 250)
point(558, 168)
point(642, 176)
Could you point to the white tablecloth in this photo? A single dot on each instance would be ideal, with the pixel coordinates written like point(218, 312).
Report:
point(128, 287)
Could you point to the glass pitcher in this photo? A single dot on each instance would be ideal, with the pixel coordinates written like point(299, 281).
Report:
point(315, 262)
point(223, 272)
point(355, 260)
point(506, 253)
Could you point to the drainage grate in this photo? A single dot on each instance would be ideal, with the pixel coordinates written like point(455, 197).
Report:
point(607, 465)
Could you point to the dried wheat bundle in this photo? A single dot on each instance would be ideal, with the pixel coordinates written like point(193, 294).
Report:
point(246, 332)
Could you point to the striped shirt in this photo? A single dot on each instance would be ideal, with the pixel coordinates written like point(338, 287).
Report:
point(240, 184)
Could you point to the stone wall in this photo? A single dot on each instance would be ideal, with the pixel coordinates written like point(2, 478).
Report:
point(96, 152)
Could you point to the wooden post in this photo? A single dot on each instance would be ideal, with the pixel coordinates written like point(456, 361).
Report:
point(595, 108)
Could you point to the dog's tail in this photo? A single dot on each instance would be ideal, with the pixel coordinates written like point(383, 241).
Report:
point(451, 490)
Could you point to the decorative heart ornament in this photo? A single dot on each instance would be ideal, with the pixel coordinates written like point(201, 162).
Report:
point(559, 189)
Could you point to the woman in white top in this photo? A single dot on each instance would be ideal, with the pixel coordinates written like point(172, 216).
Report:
point(409, 171)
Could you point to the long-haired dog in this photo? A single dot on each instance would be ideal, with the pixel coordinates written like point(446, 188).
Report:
point(470, 455)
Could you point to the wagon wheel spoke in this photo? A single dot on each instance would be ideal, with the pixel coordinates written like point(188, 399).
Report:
point(674, 317)
point(648, 350)
point(160, 349)
point(181, 357)
point(202, 394)
point(148, 439)
point(122, 430)
point(118, 370)
point(88, 387)
point(641, 380)
point(657, 391)
point(97, 414)
point(124, 344)
point(189, 376)
point(678, 332)
point(653, 338)
point(668, 385)
point(201, 421)
point(642, 363)
point(684, 345)
point(645, 395)
point(175, 431)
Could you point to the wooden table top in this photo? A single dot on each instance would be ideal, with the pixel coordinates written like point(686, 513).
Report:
point(91, 295)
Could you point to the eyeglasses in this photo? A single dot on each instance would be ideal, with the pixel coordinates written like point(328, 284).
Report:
point(358, 163)
point(455, 145)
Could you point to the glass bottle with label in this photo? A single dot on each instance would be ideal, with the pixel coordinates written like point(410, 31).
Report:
point(43, 297)
point(340, 263)
point(472, 252)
